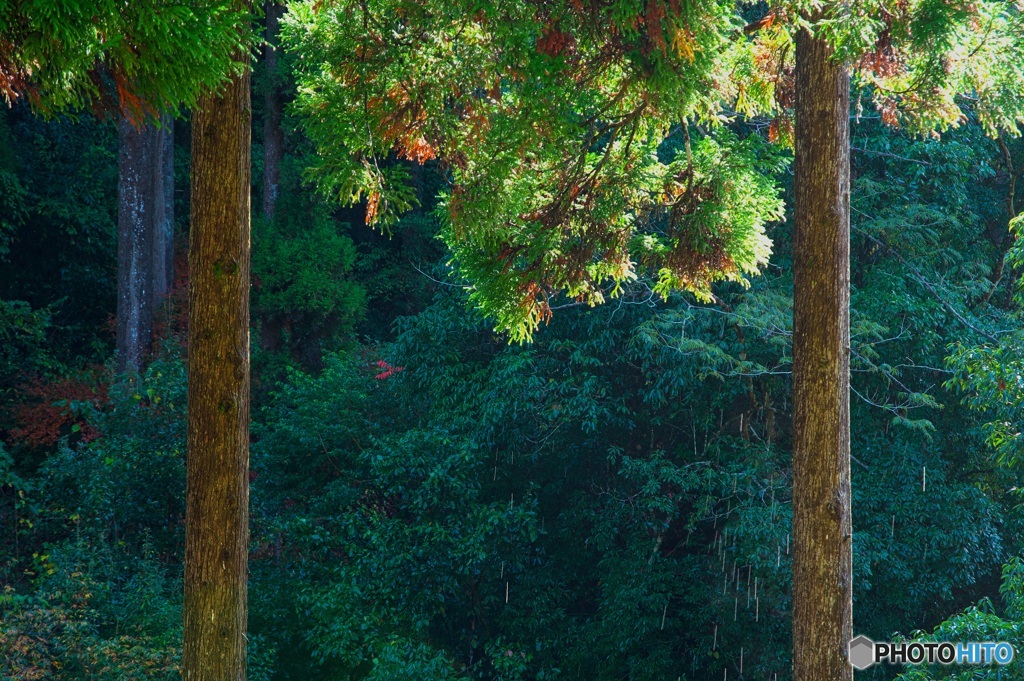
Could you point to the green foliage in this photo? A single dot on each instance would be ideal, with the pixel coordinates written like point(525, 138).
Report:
point(303, 290)
point(101, 612)
point(419, 471)
point(23, 347)
point(12, 193)
point(92, 572)
point(55, 634)
point(551, 126)
point(303, 273)
point(981, 623)
point(98, 536)
point(59, 228)
point(620, 474)
point(396, 270)
point(929, 64)
point(141, 56)
point(131, 480)
point(625, 474)
point(990, 378)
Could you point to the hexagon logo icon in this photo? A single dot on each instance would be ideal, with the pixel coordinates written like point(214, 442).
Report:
point(862, 652)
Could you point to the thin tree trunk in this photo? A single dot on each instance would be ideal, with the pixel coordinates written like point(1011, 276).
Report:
point(136, 147)
point(163, 214)
point(217, 499)
point(822, 528)
point(273, 136)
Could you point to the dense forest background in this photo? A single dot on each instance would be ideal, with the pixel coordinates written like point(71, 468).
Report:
point(429, 501)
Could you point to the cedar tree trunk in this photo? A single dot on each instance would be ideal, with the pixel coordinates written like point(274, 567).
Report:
point(822, 528)
point(217, 498)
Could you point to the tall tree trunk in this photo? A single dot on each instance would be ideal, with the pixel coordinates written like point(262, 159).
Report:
point(822, 528)
point(217, 498)
point(273, 136)
point(163, 214)
point(145, 228)
point(135, 160)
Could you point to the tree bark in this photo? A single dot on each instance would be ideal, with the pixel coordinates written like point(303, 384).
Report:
point(273, 136)
point(217, 499)
point(145, 225)
point(135, 160)
point(163, 214)
point(822, 528)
